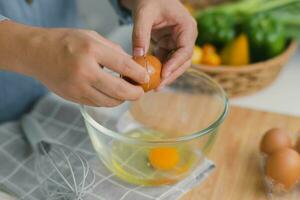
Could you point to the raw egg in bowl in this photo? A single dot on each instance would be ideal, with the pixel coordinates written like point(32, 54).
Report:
point(162, 137)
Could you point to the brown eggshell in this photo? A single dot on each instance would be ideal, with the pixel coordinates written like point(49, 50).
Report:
point(297, 146)
point(153, 66)
point(283, 168)
point(275, 139)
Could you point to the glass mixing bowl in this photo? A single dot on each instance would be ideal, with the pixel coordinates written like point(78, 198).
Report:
point(164, 136)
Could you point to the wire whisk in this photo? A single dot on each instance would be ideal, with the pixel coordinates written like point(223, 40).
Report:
point(63, 173)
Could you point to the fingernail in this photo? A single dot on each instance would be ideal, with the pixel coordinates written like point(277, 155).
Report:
point(147, 78)
point(138, 51)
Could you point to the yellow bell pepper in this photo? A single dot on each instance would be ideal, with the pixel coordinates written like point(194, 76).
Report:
point(189, 7)
point(236, 53)
point(197, 55)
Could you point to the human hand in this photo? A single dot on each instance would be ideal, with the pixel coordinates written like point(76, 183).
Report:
point(171, 27)
point(69, 62)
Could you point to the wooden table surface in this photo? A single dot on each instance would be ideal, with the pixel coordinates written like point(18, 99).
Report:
point(236, 154)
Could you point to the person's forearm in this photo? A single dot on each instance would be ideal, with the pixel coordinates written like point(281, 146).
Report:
point(15, 45)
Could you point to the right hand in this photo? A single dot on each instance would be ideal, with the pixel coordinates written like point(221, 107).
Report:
point(69, 62)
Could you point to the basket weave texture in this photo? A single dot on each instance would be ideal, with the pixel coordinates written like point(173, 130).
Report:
point(244, 80)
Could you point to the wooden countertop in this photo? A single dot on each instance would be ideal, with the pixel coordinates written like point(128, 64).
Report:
point(236, 154)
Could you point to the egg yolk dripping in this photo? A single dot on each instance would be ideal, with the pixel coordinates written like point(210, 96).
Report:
point(164, 158)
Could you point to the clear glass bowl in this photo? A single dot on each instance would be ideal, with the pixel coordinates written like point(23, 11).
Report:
point(164, 136)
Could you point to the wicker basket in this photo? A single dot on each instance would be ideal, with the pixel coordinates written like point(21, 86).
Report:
point(244, 80)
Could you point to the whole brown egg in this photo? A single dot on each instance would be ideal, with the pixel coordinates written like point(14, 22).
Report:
point(153, 66)
point(275, 139)
point(283, 168)
point(297, 146)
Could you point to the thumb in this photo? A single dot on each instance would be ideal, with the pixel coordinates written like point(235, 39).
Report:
point(141, 34)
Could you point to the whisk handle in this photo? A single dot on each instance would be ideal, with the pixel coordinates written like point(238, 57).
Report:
point(33, 131)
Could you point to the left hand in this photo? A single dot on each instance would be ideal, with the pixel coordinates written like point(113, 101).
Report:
point(171, 27)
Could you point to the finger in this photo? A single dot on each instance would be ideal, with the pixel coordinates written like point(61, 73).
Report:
point(166, 42)
point(123, 64)
point(100, 99)
point(105, 41)
point(141, 34)
point(117, 88)
point(178, 58)
point(87, 102)
point(185, 42)
point(175, 74)
point(82, 100)
point(160, 33)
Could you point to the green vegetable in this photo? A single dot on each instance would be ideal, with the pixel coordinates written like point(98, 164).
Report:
point(266, 37)
point(286, 11)
point(241, 8)
point(215, 28)
point(290, 17)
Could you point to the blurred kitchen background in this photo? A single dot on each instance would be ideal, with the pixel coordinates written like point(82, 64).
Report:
point(98, 15)
point(282, 96)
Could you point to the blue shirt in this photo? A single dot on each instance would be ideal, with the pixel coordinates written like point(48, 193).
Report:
point(18, 93)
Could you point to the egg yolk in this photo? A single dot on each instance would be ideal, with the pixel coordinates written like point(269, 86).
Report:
point(164, 158)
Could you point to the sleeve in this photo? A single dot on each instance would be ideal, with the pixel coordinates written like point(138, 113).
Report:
point(2, 18)
point(124, 13)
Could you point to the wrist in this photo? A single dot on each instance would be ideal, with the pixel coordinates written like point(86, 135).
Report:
point(15, 40)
